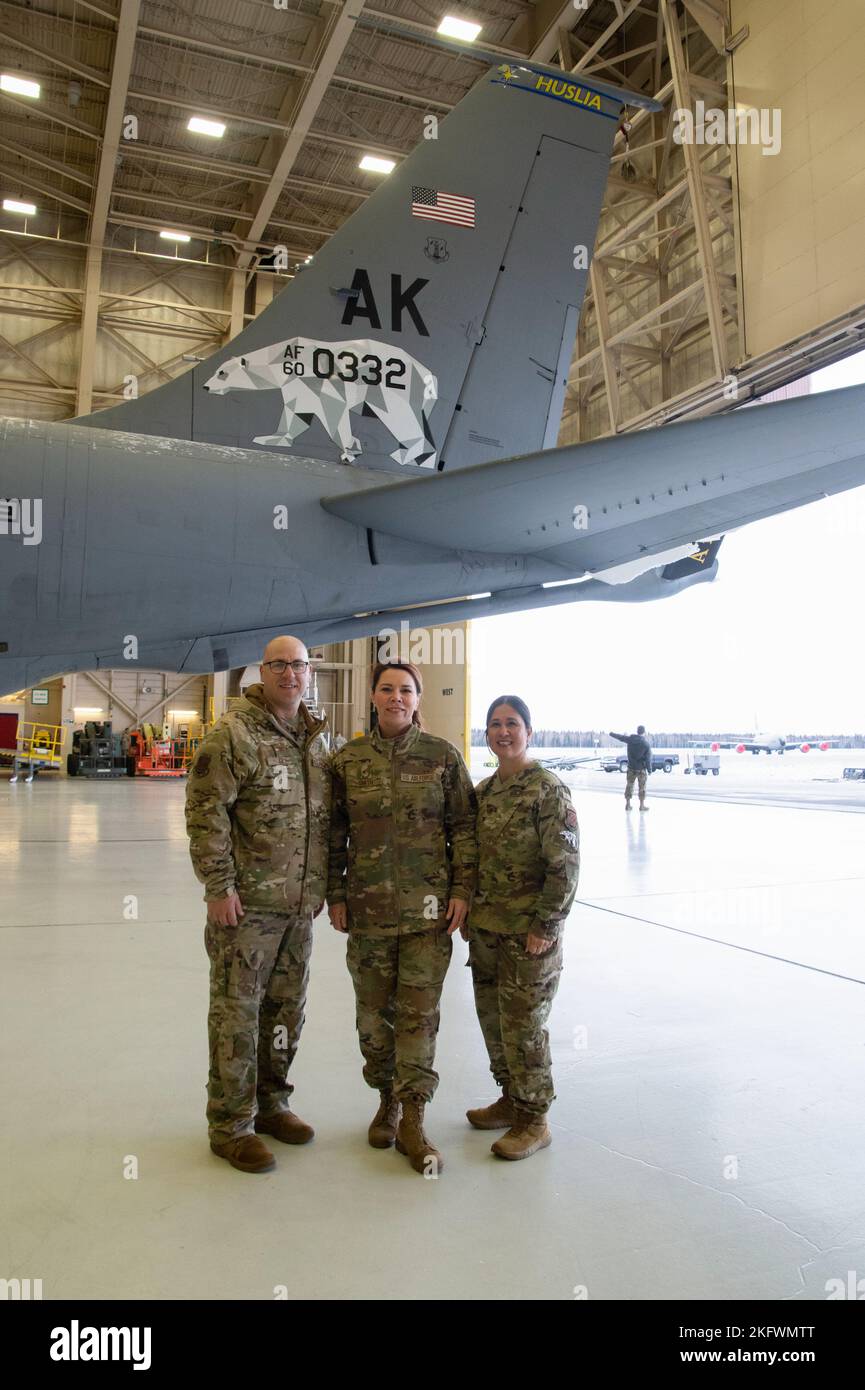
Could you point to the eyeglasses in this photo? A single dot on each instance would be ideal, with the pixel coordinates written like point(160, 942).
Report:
point(280, 667)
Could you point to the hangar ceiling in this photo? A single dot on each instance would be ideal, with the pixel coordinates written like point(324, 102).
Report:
point(91, 294)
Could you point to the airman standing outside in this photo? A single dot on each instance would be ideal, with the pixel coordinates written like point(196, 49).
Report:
point(639, 764)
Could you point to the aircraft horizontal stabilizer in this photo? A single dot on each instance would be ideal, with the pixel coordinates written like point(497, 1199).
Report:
point(593, 506)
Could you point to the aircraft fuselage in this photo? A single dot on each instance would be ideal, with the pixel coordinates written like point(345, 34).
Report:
point(166, 540)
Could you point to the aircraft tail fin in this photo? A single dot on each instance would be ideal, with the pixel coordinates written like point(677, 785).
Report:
point(435, 328)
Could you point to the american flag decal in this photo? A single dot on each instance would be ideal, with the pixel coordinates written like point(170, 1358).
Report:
point(442, 207)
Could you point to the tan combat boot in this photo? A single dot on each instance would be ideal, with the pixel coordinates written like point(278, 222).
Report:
point(286, 1126)
point(247, 1153)
point(528, 1133)
point(382, 1131)
point(423, 1156)
point(499, 1115)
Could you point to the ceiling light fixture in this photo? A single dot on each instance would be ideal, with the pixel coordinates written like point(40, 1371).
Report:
point(376, 165)
point(21, 86)
point(201, 126)
point(454, 28)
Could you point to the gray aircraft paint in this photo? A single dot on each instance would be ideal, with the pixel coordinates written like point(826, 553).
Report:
point(207, 586)
point(149, 534)
point(645, 493)
point(494, 322)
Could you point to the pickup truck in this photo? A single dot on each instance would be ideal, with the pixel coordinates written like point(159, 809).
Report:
point(661, 762)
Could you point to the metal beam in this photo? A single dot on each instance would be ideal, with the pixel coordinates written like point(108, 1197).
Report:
point(253, 172)
point(698, 197)
point(604, 336)
point(113, 697)
point(120, 70)
point(233, 214)
point(712, 19)
point(119, 219)
point(19, 253)
point(42, 111)
point(110, 15)
point(539, 31)
point(607, 34)
point(169, 695)
point(53, 55)
point(426, 34)
point(242, 57)
point(53, 165)
point(34, 186)
point(26, 358)
point(337, 38)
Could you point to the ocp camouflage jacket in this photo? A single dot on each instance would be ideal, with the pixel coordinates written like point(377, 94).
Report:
point(528, 854)
point(402, 838)
point(257, 809)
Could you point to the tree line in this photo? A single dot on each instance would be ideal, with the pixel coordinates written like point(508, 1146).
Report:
point(597, 738)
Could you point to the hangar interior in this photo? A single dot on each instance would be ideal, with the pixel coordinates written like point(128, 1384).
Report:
point(722, 272)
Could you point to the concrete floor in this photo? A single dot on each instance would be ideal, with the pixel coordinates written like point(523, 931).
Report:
point(708, 1052)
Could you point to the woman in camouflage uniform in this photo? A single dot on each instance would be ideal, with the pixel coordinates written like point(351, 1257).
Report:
point(402, 872)
point(528, 866)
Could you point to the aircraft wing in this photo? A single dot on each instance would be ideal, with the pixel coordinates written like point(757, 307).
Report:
point(565, 762)
point(800, 746)
point(808, 745)
point(592, 506)
point(747, 743)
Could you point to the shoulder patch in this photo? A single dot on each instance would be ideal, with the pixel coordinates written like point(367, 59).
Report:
point(571, 817)
point(202, 765)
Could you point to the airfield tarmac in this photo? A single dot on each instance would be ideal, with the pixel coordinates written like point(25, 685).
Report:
point(707, 1048)
point(804, 781)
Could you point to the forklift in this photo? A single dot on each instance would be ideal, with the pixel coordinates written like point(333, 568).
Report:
point(97, 752)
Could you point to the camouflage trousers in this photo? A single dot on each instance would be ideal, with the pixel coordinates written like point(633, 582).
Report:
point(398, 982)
point(640, 778)
point(514, 993)
point(259, 973)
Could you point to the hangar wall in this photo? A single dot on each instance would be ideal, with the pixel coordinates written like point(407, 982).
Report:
point(152, 314)
point(802, 211)
point(131, 697)
point(342, 672)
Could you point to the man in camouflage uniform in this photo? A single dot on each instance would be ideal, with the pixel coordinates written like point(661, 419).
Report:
point(639, 764)
point(402, 868)
point(528, 868)
point(257, 809)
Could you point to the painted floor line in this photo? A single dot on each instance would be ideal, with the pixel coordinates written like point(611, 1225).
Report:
point(718, 941)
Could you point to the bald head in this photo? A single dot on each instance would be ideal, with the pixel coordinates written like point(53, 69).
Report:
point(284, 690)
point(285, 649)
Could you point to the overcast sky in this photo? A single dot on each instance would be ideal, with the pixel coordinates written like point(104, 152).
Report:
point(775, 644)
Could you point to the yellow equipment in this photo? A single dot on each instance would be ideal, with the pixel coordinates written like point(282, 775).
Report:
point(39, 749)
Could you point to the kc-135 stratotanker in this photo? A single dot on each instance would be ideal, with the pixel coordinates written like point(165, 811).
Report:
point(377, 447)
